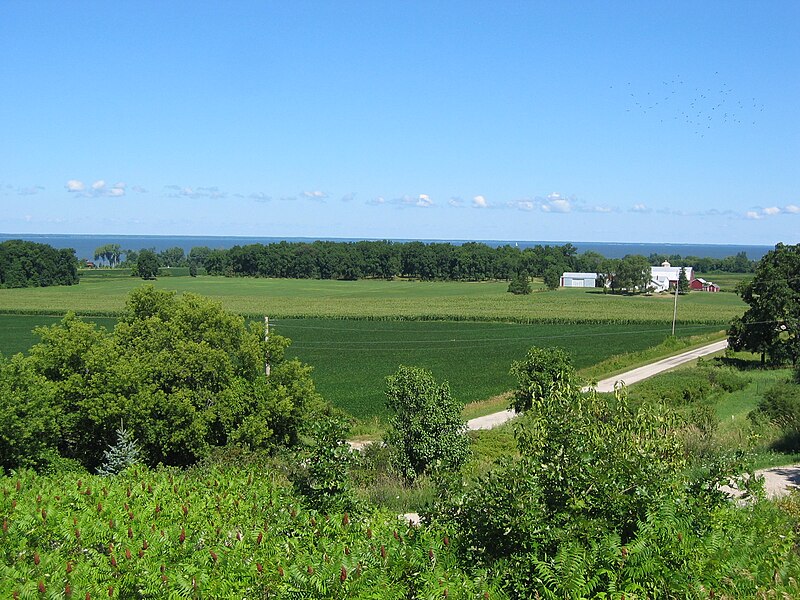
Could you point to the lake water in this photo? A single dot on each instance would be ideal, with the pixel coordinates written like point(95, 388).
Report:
point(85, 245)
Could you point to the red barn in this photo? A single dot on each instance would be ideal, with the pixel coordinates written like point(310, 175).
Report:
point(702, 285)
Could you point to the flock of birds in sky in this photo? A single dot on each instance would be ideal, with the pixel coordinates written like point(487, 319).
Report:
point(700, 108)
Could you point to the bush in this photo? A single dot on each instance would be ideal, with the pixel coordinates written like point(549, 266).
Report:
point(426, 435)
point(520, 284)
point(675, 388)
point(727, 378)
point(780, 405)
point(543, 373)
point(323, 465)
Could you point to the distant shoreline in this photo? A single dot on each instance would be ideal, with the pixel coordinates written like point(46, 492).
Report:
point(84, 244)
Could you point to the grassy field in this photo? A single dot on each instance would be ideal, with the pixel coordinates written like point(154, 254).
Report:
point(351, 358)
point(726, 281)
point(373, 299)
point(355, 333)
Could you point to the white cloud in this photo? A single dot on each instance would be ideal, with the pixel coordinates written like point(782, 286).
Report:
point(555, 202)
point(378, 200)
point(526, 205)
point(260, 197)
point(315, 195)
point(424, 201)
point(455, 202)
point(771, 211)
point(212, 192)
point(98, 189)
point(640, 208)
point(479, 202)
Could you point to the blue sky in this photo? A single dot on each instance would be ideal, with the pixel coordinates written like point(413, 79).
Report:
point(575, 121)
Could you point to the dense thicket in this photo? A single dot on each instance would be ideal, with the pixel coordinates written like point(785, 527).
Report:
point(599, 503)
point(28, 264)
point(181, 373)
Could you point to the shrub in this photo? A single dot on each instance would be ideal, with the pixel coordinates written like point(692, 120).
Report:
point(781, 406)
point(543, 373)
point(323, 465)
point(520, 284)
point(727, 378)
point(426, 435)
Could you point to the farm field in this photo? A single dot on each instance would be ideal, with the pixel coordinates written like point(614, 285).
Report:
point(373, 299)
point(726, 281)
point(351, 358)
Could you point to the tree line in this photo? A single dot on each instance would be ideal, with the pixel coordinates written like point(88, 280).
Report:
point(28, 264)
point(437, 261)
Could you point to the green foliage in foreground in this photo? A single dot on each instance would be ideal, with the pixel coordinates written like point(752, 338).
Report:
point(218, 533)
point(599, 504)
point(184, 375)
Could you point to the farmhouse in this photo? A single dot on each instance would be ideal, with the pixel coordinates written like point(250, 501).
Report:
point(702, 285)
point(583, 280)
point(666, 276)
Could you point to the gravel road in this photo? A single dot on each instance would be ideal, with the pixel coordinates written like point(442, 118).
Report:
point(607, 385)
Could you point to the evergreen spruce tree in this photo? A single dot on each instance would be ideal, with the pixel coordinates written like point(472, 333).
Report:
point(683, 282)
point(121, 455)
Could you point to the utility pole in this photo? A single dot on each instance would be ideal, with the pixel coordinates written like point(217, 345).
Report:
point(675, 308)
point(266, 340)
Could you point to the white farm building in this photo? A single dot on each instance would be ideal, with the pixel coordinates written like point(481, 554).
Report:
point(584, 280)
point(666, 276)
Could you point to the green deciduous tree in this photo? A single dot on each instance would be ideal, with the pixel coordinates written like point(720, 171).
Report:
point(588, 466)
point(633, 274)
point(543, 373)
point(185, 375)
point(771, 326)
point(110, 253)
point(29, 414)
point(426, 434)
point(172, 257)
point(552, 276)
point(520, 284)
point(28, 264)
point(147, 264)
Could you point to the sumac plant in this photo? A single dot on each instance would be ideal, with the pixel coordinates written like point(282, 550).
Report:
point(210, 534)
